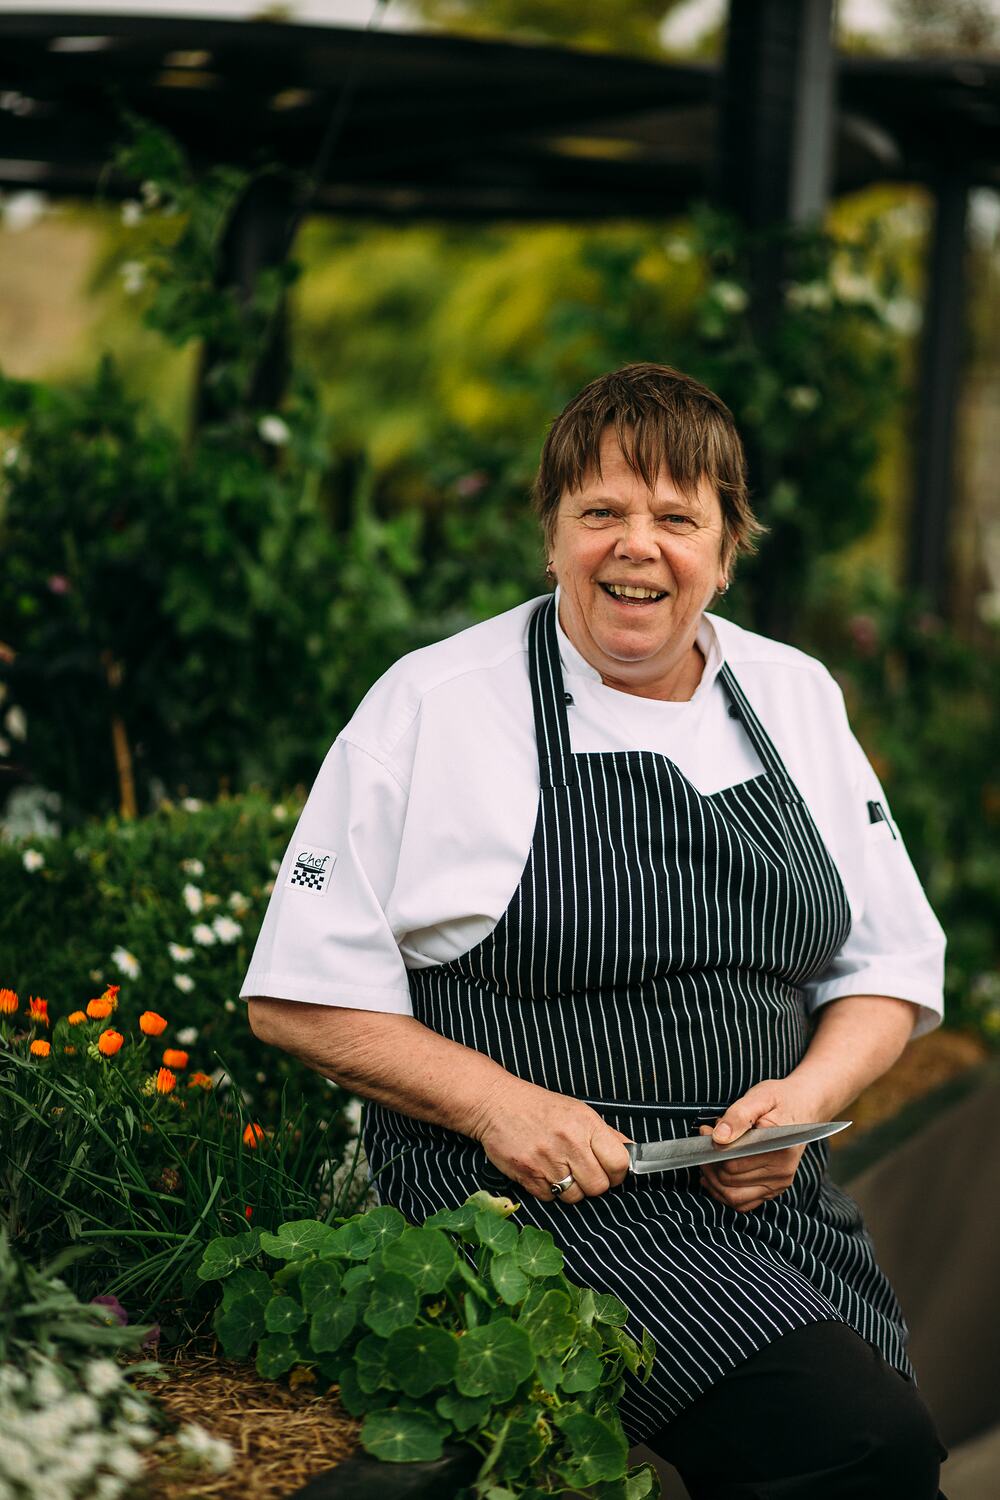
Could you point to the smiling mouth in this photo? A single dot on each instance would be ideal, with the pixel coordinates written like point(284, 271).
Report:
point(633, 594)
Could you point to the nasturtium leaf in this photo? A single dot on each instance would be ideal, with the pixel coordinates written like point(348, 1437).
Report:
point(647, 1356)
point(426, 1256)
point(383, 1225)
point(239, 1326)
point(599, 1452)
point(641, 1484)
point(402, 1436)
point(287, 1275)
point(458, 1220)
point(223, 1254)
point(249, 1281)
point(538, 1253)
point(371, 1363)
point(582, 1371)
point(586, 1307)
point(283, 1315)
point(319, 1283)
point(331, 1324)
point(393, 1303)
point(469, 1276)
point(548, 1368)
point(608, 1309)
point(356, 1277)
point(423, 1358)
point(353, 1399)
point(499, 1234)
point(629, 1350)
point(275, 1354)
point(351, 1240)
point(550, 1324)
point(297, 1238)
point(507, 1276)
point(523, 1446)
point(500, 1492)
point(463, 1412)
point(494, 1359)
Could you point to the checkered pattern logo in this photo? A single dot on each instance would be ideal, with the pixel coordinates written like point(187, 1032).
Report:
point(312, 868)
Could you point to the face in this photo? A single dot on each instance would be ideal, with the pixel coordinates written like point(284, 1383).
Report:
point(615, 536)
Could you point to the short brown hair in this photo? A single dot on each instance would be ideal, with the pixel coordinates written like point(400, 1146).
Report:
point(676, 423)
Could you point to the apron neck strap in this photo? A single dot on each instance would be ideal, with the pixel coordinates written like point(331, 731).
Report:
point(740, 708)
point(548, 697)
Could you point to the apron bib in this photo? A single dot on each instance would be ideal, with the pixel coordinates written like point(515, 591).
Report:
point(650, 962)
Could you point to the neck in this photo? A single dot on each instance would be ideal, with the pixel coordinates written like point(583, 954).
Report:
point(677, 685)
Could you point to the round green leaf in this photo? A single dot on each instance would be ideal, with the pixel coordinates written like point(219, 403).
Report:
point(423, 1358)
point(239, 1326)
point(550, 1324)
point(463, 1412)
point(582, 1371)
point(538, 1253)
point(400, 1437)
point(297, 1238)
point(371, 1363)
point(331, 1324)
point(499, 1234)
point(426, 1256)
point(599, 1452)
point(507, 1276)
point(609, 1309)
point(283, 1315)
point(458, 1220)
point(393, 1303)
point(223, 1254)
point(275, 1354)
point(383, 1225)
point(249, 1281)
point(351, 1240)
point(494, 1359)
point(319, 1283)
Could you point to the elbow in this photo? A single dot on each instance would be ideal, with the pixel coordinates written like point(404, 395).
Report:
point(262, 1016)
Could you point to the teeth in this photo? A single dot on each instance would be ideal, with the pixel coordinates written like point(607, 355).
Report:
point(632, 591)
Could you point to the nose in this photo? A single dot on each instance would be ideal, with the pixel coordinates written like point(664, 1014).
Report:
point(637, 542)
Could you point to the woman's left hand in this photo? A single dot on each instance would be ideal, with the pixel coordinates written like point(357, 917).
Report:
point(748, 1181)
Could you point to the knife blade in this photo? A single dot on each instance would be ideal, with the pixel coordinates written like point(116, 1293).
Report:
point(696, 1151)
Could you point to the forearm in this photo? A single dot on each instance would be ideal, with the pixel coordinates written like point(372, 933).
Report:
point(392, 1059)
point(857, 1039)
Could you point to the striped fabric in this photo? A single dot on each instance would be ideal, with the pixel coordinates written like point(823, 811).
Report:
point(650, 963)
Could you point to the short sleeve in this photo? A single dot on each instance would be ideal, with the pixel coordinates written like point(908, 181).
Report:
point(896, 945)
point(325, 936)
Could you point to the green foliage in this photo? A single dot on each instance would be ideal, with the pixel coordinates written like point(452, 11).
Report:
point(151, 1167)
point(463, 1329)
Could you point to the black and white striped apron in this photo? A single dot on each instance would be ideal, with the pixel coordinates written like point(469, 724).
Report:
point(650, 963)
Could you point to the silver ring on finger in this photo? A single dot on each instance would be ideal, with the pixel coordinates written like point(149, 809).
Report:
point(558, 1188)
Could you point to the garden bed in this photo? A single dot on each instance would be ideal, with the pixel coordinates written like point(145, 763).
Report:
point(280, 1437)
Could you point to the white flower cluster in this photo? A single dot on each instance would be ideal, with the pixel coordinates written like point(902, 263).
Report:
point(193, 1442)
point(69, 1437)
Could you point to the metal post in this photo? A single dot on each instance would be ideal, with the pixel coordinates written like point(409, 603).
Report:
point(941, 357)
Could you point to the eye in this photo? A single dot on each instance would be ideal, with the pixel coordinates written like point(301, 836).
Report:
point(599, 512)
point(682, 520)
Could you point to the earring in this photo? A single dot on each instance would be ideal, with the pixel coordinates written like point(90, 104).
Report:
point(548, 569)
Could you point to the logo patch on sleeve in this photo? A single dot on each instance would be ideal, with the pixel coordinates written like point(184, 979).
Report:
point(312, 868)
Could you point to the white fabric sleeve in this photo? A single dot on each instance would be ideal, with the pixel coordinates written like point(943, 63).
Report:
point(325, 937)
point(896, 944)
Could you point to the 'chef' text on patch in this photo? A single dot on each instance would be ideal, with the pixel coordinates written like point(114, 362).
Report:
point(312, 868)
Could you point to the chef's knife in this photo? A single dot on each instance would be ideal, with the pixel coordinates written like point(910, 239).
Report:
point(698, 1150)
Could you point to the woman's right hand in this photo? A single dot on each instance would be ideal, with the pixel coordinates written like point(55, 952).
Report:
point(536, 1137)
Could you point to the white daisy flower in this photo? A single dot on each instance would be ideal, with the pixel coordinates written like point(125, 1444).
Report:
point(189, 1035)
point(229, 1005)
point(32, 860)
point(102, 1376)
point(814, 294)
point(131, 213)
point(179, 953)
point(238, 903)
point(16, 723)
point(150, 193)
point(185, 984)
point(226, 930)
point(203, 935)
point(126, 963)
point(730, 295)
point(192, 867)
point(191, 804)
point(133, 275)
point(192, 898)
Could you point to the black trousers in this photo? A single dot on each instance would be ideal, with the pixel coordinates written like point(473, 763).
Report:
point(816, 1415)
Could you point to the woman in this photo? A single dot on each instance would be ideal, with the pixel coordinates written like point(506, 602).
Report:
point(608, 868)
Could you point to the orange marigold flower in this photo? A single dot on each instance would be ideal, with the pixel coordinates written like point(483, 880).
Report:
point(41, 1049)
point(111, 993)
point(199, 1081)
point(38, 1010)
point(175, 1058)
point(99, 1009)
point(151, 1023)
point(8, 1002)
point(70, 1051)
point(77, 1018)
point(252, 1136)
point(109, 1042)
point(166, 1081)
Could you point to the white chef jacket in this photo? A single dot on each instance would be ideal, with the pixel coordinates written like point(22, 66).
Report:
point(415, 834)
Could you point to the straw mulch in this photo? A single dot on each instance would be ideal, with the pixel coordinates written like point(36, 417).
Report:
point(281, 1437)
point(927, 1063)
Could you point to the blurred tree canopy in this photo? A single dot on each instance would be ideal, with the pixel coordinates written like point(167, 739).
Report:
point(628, 26)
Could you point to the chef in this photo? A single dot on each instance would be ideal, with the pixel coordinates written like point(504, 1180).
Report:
point(609, 868)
